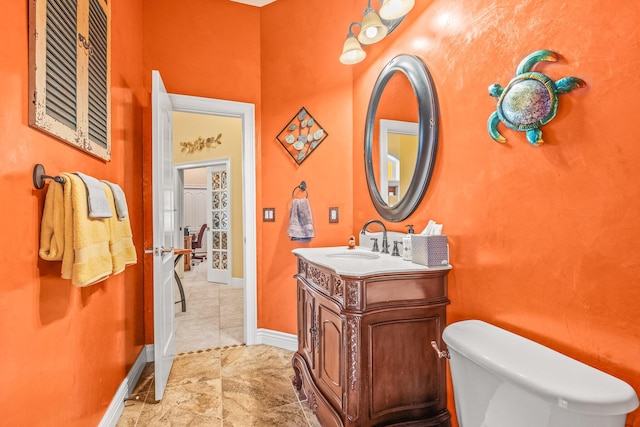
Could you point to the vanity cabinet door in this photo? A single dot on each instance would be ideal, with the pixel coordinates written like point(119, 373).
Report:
point(407, 379)
point(307, 328)
point(330, 352)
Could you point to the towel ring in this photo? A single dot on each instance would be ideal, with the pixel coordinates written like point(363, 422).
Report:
point(301, 187)
point(39, 176)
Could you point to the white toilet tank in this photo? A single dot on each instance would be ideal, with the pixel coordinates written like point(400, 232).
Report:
point(501, 379)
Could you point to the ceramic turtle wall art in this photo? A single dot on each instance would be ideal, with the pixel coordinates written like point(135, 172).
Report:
point(530, 100)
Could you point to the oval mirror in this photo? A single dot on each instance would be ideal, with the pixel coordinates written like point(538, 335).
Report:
point(401, 137)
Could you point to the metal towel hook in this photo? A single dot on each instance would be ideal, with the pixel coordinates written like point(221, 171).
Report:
point(302, 187)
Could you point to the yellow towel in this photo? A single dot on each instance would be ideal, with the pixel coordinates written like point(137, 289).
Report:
point(91, 256)
point(56, 237)
point(90, 249)
point(52, 229)
point(123, 252)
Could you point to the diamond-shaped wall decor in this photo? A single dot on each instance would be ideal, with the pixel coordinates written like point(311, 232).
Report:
point(301, 136)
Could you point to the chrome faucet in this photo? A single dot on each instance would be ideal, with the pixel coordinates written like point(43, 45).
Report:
point(385, 243)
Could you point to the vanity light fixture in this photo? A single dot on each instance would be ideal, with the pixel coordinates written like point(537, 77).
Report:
point(372, 30)
point(352, 52)
point(374, 27)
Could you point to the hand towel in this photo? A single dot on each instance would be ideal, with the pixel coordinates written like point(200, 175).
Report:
point(123, 252)
point(56, 233)
point(52, 238)
point(91, 256)
point(300, 220)
point(120, 200)
point(97, 198)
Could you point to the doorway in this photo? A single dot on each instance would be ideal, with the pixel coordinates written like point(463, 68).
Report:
point(215, 303)
point(245, 112)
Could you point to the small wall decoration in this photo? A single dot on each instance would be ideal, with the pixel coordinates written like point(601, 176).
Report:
point(301, 136)
point(530, 100)
point(200, 143)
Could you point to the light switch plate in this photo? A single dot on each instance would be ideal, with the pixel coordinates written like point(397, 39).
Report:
point(333, 215)
point(269, 214)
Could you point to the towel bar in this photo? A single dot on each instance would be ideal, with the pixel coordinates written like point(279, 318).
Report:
point(39, 176)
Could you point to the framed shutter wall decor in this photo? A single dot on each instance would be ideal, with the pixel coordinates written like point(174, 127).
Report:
point(69, 67)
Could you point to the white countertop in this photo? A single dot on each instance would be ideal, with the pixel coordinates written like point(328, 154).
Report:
point(345, 261)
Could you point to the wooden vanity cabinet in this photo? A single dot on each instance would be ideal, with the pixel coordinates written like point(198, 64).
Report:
point(364, 353)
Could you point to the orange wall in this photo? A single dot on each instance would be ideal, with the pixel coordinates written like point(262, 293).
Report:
point(207, 48)
point(226, 50)
point(300, 69)
point(65, 350)
point(544, 240)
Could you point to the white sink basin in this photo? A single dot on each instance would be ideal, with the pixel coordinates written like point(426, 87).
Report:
point(359, 261)
point(353, 254)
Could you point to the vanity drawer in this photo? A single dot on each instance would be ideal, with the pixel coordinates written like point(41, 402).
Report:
point(406, 291)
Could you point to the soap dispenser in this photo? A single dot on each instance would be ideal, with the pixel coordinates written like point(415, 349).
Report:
point(406, 244)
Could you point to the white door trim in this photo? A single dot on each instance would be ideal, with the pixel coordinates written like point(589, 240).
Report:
point(246, 112)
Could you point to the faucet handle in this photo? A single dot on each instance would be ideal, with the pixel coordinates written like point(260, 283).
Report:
point(396, 252)
point(375, 245)
point(385, 245)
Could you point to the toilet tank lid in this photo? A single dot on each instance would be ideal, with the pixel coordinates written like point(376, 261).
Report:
point(552, 376)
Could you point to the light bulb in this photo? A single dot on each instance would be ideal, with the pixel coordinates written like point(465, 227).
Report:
point(394, 9)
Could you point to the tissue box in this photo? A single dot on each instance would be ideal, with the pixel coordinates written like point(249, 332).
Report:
point(429, 250)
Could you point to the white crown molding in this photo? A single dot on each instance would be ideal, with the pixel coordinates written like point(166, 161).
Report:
point(258, 3)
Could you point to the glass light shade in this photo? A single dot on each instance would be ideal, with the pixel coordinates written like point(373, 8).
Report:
point(394, 9)
point(352, 52)
point(373, 30)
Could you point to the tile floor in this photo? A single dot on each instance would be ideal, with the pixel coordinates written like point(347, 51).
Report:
point(215, 379)
point(214, 316)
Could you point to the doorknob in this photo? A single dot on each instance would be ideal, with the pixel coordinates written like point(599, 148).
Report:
point(157, 251)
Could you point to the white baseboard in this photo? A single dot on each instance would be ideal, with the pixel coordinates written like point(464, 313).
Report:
point(126, 388)
point(277, 339)
point(149, 349)
point(237, 281)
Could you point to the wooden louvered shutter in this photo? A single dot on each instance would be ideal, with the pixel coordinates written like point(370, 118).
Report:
point(61, 73)
point(69, 72)
point(98, 75)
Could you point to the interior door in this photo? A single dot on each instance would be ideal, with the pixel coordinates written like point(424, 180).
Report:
point(219, 223)
point(163, 234)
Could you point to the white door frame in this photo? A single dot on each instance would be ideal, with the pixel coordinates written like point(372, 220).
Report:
point(246, 112)
point(391, 127)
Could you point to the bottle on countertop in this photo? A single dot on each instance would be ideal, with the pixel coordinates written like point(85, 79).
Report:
point(406, 244)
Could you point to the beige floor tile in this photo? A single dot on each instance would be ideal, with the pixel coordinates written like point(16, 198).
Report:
point(195, 368)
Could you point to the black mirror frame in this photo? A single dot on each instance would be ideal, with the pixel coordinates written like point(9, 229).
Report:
point(428, 118)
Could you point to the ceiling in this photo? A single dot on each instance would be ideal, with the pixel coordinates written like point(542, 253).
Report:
point(254, 2)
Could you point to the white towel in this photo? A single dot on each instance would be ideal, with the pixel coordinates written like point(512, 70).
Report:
point(120, 200)
point(96, 197)
point(300, 220)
